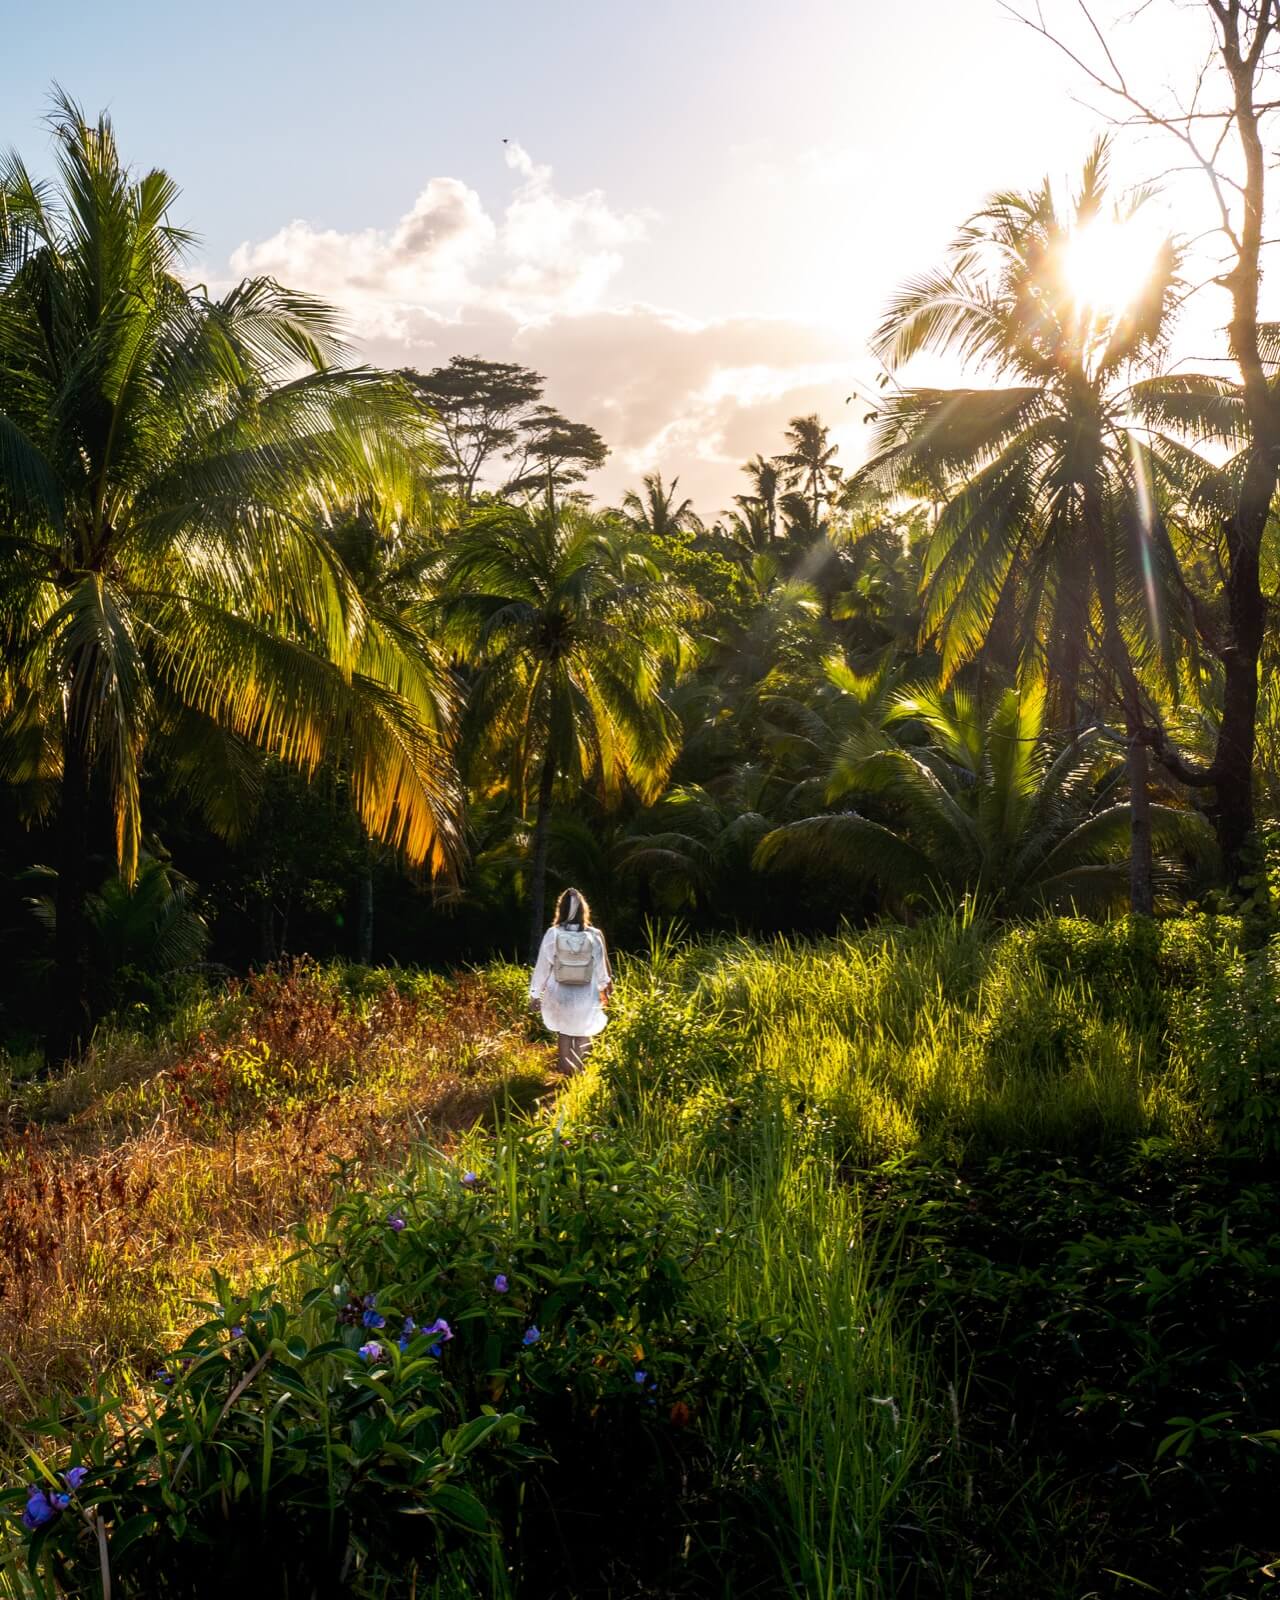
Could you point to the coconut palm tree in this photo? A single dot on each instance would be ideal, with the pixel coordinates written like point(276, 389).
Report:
point(985, 807)
point(694, 849)
point(163, 458)
point(570, 630)
point(658, 513)
point(1047, 495)
point(808, 465)
point(388, 545)
point(760, 508)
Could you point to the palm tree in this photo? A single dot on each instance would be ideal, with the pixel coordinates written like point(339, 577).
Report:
point(570, 630)
point(695, 848)
point(1048, 496)
point(163, 456)
point(658, 513)
point(985, 808)
point(388, 547)
point(744, 536)
point(760, 508)
point(808, 464)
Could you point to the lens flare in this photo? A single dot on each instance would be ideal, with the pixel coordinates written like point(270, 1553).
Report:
point(1106, 265)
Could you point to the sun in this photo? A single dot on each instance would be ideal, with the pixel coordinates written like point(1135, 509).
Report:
point(1106, 265)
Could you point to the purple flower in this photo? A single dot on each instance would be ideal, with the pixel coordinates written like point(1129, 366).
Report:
point(39, 1510)
point(237, 1333)
point(371, 1351)
point(531, 1336)
point(396, 1222)
point(469, 1180)
point(445, 1332)
point(407, 1333)
point(640, 1377)
point(59, 1501)
point(372, 1319)
point(500, 1283)
point(73, 1477)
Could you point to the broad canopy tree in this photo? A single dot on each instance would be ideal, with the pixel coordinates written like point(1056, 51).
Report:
point(492, 412)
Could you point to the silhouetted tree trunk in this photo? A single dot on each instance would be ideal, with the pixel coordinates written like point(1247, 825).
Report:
point(364, 913)
point(1142, 899)
point(72, 1020)
point(538, 864)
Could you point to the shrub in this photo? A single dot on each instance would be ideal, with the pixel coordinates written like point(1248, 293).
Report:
point(1229, 1035)
point(1117, 1327)
point(270, 1455)
point(515, 1367)
point(1131, 967)
point(574, 1278)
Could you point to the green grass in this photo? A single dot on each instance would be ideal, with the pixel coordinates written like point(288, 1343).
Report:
point(940, 1039)
point(875, 1159)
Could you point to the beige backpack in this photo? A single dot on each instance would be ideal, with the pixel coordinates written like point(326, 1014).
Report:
point(574, 959)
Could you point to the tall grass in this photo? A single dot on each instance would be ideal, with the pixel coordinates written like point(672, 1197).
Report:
point(778, 1077)
point(771, 1089)
point(123, 1183)
point(942, 1039)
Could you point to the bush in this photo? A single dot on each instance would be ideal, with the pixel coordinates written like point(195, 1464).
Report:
point(1229, 1033)
point(574, 1279)
point(1118, 1333)
point(271, 1456)
point(1132, 967)
point(508, 1368)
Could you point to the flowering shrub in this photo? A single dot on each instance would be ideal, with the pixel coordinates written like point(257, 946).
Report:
point(572, 1277)
point(533, 1332)
point(275, 1451)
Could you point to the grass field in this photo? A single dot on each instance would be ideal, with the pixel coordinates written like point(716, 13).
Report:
point(931, 1261)
point(208, 1142)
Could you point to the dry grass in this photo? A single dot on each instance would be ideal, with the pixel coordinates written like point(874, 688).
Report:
point(123, 1184)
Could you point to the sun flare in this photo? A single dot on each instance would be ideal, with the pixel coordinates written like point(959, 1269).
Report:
point(1106, 264)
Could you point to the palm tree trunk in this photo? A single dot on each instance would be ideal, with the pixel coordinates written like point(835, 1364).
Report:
point(72, 1019)
point(1141, 868)
point(1067, 654)
point(364, 913)
point(1116, 652)
point(1233, 758)
point(538, 866)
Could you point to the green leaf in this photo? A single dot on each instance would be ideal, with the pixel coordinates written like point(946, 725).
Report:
point(460, 1507)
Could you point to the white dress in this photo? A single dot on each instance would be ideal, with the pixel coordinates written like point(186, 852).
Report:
point(570, 1008)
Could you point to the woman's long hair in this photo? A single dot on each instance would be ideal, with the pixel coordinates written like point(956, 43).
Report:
point(572, 907)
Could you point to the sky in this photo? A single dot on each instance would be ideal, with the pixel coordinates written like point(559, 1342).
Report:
point(687, 216)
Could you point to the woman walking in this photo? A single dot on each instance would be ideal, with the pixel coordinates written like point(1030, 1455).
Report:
point(572, 980)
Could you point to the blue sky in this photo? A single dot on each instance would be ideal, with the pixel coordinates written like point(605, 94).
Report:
point(700, 214)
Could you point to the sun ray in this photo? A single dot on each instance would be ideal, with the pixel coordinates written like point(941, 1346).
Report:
point(1106, 264)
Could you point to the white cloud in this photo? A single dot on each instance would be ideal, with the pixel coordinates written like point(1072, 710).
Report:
point(536, 283)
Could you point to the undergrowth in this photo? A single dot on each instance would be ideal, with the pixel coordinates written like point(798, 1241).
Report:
point(923, 1262)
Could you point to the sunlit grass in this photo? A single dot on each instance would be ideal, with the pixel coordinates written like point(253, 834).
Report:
point(769, 1084)
point(158, 1159)
point(939, 1039)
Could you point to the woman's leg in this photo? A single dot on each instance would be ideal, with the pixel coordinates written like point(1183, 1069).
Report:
point(571, 1052)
